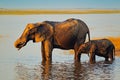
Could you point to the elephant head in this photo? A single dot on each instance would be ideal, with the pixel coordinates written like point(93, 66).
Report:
point(84, 47)
point(36, 32)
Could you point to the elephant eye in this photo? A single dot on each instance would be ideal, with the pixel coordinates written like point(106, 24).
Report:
point(28, 28)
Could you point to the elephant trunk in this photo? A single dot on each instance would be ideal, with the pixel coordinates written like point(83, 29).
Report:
point(19, 43)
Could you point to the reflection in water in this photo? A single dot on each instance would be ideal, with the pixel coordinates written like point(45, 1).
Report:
point(26, 73)
point(65, 71)
point(46, 73)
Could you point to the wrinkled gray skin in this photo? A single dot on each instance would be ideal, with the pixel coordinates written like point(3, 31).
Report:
point(103, 47)
point(66, 35)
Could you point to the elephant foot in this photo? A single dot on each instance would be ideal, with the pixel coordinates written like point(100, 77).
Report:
point(106, 59)
point(92, 62)
point(108, 62)
point(111, 60)
point(77, 60)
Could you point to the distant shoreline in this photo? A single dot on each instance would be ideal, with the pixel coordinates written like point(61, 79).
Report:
point(61, 11)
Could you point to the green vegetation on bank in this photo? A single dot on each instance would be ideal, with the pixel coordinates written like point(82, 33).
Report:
point(72, 11)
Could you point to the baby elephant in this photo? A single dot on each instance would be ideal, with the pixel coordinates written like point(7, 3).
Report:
point(102, 47)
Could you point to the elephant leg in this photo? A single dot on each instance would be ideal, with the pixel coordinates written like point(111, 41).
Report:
point(76, 48)
point(43, 52)
point(111, 56)
point(92, 53)
point(106, 58)
point(47, 50)
point(92, 58)
point(77, 56)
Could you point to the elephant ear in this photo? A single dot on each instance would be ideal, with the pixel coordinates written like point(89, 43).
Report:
point(44, 32)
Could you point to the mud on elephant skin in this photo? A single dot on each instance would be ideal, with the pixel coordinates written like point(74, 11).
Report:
point(68, 34)
point(102, 47)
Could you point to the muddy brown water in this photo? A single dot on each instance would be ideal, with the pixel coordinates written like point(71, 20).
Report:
point(26, 63)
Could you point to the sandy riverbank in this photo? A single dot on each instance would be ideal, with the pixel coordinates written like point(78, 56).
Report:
point(59, 11)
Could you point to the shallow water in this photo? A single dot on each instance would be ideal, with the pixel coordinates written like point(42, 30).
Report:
point(26, 63)
point(69, 71)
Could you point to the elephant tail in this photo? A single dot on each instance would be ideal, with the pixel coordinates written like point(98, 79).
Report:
point(114, 53)
point(88, 35)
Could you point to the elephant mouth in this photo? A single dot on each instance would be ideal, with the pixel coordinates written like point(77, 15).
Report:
point(20, 45)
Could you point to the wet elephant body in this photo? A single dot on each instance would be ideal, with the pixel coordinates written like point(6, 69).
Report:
point(103, 47)
point(68, 34)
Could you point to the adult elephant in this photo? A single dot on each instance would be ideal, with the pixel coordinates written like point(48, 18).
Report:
point(69, 34)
